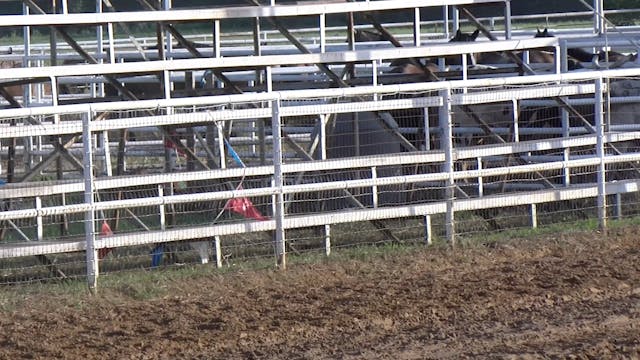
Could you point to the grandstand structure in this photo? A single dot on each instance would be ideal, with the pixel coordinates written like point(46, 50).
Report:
point(138, 140)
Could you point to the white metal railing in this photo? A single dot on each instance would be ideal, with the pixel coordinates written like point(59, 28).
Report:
point(310, 93)
point(75, 127)
point(274, 60)
point(210, 14)
point(274, 37)
point(290, 221)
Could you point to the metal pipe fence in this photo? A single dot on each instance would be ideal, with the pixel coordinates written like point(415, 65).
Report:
point(238, 206)
point(284, 170)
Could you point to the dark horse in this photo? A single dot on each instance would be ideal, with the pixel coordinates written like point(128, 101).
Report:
point(581, 55)
point(462, 37)
point(414, 67)
point(535, 56)
point(577, 54)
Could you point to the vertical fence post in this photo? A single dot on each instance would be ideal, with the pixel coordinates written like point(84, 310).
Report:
point(218, 247)
point(446, 125)
point(564, 64)
point(327, 240)
point(374, 188)
point(217, 45)
point(515, 107)
point(534, 215)
point(566, 152)
point(99, 88)
point(427, 130)
point(558, 60)
point(257, 44)
point(26, 33)
point(278, 180)
point(480, 178)
point(598, 17)
point(221, 151)
point(161, 209)
point(374, 76)
point(166, 81)
point(89, 216)
point(455, 18)
point(322, 22)
point(445, 21)
point(262, 133)
point(106, 153)
point(112, 48)
point(507, 19)
point(599, 119)
point(566, 171)
point(416, 27)
point(39, 222)
point(167, 5)
point(324, 119)
point(322, 131)
point(428, 234)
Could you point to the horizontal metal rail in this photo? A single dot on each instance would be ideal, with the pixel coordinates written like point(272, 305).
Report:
point(328, 218)
point(274, 60)
point(18, 190)
point(210, 14)
point(313, 93)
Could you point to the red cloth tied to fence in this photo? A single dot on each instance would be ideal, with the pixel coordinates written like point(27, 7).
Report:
point(105, 230)
point(244, 207)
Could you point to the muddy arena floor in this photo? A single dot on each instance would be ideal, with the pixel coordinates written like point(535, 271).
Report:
point(575, 297)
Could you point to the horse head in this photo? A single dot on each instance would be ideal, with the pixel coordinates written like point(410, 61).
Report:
point(576, 55)
point(462, 37)
point(542, 34)
point(465, 37)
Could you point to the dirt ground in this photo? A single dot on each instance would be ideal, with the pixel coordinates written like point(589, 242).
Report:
point(575, 297)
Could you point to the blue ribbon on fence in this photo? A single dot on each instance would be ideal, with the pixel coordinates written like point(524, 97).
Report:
point(156, 255)
point(233, 153)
